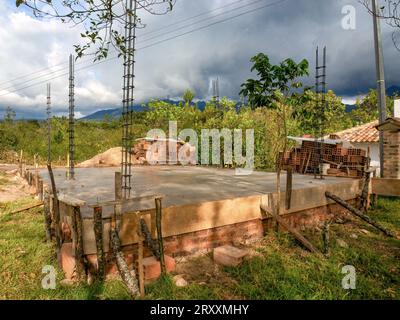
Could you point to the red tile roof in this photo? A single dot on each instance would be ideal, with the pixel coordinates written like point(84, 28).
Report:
point(363, 133)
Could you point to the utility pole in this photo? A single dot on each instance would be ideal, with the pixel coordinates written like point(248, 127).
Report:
point(48, 110)
point(380, 77)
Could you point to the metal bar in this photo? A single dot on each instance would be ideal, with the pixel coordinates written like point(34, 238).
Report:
point(71, 129)
point(48, 111)
point(127, 100)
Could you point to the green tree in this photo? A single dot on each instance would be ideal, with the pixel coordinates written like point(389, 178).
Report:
point(366, 109)
point(274, 89)
point(188, 97)
point(335, 117)
point(9, 115)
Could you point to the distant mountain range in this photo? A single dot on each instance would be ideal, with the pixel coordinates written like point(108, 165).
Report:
point(116, 113)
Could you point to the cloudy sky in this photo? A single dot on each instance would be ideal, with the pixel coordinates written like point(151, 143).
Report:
point(35, 52)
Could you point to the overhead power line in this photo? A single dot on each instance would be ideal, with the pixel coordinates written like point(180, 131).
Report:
point(66, 64)
point(150, 45)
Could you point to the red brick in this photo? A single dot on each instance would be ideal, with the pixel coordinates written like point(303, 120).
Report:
point(152, 267)
point(67, 260)
point(229, 256)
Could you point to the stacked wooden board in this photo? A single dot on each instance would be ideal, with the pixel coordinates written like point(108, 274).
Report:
point(341, 161)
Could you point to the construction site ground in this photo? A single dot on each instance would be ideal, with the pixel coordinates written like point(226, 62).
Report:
point(277, 267)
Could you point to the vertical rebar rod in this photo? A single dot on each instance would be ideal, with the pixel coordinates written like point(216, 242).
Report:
point(48, 111)
point(71, 129)
point(320, 106)
point(127, 100)
point(317, 95)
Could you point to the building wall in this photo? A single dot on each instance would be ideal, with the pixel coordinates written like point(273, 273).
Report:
point(391, 149)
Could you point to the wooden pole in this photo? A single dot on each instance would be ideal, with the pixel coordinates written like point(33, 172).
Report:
point(36, 182)
point(41, 192)
point(128, 277)
point(118, 185)
point(298, 235)
point(20, 162)
point(325, 236)
point(47, 218)
point(98, 234)
point(56, 207)
point(77, 229)
point(359, 214)
point(159, 234)
point(140, 256)
point(150, 243)
point(27, 208)
point(289, 180)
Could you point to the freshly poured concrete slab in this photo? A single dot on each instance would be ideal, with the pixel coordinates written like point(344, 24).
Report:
point(180, 185)
point(195, 198)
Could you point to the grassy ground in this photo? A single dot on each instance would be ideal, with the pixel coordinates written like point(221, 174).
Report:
point(279, 267)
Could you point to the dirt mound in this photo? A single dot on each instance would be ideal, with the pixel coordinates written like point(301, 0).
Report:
point(145, 151)
point(109, 158)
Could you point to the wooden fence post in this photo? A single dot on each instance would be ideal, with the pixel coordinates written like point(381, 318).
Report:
point(77, 229)
point(56, 208)
point(98, 233)
point(159, 234)
point(140, 256)
point(289, 180)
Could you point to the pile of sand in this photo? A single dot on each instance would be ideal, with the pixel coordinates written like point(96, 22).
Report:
point(109, 158)
point(145, 150)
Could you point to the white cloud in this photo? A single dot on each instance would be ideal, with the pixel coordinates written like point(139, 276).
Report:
point(290, 29)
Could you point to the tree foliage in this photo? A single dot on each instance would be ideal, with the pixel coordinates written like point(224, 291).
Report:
point(188, 96)
point(103, 20)
point(389, 11)
point(273, 81)
point(366, 109)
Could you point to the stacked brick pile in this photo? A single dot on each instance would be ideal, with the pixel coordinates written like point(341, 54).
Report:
point(348, 162)
point(156, 151)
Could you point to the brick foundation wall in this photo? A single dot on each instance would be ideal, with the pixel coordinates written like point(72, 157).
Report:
point(243, 232)
point(391, 149)
point(189, 243)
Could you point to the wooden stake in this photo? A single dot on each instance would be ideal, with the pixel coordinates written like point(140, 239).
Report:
point(98, 234)
point(140, 257)
point(150, 243)
point(289, 180)
point(56, 208)
point(47, 218)
point(359, 214)
point(41, 191)
point(159, 234)
point(20, 162)
point(77, 229)
point(325, 236)
point(118, 185)
point(27, 208)
point(128, 277)
point(298, 236)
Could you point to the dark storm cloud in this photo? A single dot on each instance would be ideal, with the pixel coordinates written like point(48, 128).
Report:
point(289, 29)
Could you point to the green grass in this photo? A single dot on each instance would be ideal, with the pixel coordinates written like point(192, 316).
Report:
point(280, 269)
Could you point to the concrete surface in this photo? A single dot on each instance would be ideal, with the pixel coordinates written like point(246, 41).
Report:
point(180, 185)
